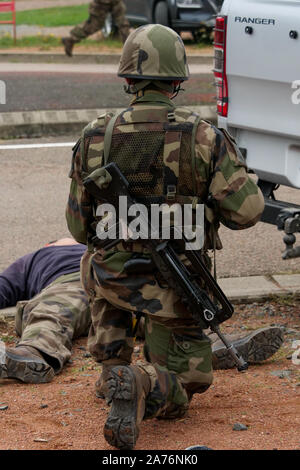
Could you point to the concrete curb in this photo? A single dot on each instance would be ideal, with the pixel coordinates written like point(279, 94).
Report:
point(260, 288)
point(91, 58)
point(239, 290)
point(53, 123)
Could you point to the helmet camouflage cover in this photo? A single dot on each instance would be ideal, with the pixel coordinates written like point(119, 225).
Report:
point(154, 52)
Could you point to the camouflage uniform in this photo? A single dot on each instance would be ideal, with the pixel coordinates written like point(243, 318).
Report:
point(156, 145)
point(98, 11)
point(53, 318)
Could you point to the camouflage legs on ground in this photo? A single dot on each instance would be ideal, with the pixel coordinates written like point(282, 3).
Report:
point(50, 320)
point(178, 351)
point(98, 11)
point(110, 338)
point(180, 359)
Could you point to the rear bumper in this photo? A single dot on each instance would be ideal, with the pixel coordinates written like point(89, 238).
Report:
point(190, 26)
point(273, 157)
point(191, 20)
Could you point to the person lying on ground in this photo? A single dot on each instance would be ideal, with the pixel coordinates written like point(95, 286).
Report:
point(52, 310)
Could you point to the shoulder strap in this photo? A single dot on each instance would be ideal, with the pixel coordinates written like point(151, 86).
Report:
point(108, 136)
point(195, 126)
point(171, 157)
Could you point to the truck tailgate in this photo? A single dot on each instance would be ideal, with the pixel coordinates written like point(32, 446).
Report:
point(262, 64)
point(260, 86)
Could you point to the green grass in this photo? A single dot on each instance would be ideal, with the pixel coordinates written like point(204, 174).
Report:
point(6, 41)
point(70, 16)
point(46, 42)
point(7, 338)
point(48, 17)
point(284, 299)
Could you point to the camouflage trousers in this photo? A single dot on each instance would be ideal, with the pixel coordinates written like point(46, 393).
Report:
point(98, 11)
point(53, 318)
point(178, 352)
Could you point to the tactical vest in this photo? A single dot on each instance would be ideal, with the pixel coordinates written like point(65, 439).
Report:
point(154, 147)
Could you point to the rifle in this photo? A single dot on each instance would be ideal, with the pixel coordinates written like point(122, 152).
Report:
point(206, 312)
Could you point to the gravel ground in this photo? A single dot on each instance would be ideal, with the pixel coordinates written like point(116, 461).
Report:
point(66, 415)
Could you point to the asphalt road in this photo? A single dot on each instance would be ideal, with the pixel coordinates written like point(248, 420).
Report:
point(34, 189)
point(31, 87)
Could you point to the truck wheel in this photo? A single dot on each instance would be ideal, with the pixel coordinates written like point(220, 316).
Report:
point(161, 14)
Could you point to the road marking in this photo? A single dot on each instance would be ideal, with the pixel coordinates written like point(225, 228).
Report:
point(36, 146)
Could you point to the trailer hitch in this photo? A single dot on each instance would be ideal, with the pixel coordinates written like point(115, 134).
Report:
point(289, 221)
point(283, 214)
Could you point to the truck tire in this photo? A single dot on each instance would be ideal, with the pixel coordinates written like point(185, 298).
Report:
point(161, 14)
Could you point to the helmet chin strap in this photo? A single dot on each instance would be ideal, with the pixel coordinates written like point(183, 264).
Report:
point(177, 89)
point(138, 87)
point(134, 88)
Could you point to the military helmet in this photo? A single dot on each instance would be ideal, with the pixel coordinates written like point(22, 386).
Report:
point(154, 52)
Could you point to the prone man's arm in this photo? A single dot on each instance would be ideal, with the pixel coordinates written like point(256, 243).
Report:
point(13, 282)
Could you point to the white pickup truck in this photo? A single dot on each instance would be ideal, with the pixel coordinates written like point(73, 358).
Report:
point(257, 72)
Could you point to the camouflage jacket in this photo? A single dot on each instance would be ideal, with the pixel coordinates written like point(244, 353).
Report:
point(216, 172)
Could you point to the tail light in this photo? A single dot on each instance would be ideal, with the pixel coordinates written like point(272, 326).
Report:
point(220, 65)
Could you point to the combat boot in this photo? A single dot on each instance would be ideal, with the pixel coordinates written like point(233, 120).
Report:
point(26, 364)
point(101, 387)
point(128, 387)
point(68, 44)
point(254, 348)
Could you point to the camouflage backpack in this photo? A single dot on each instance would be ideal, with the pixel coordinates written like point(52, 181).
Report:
point(154, 147)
